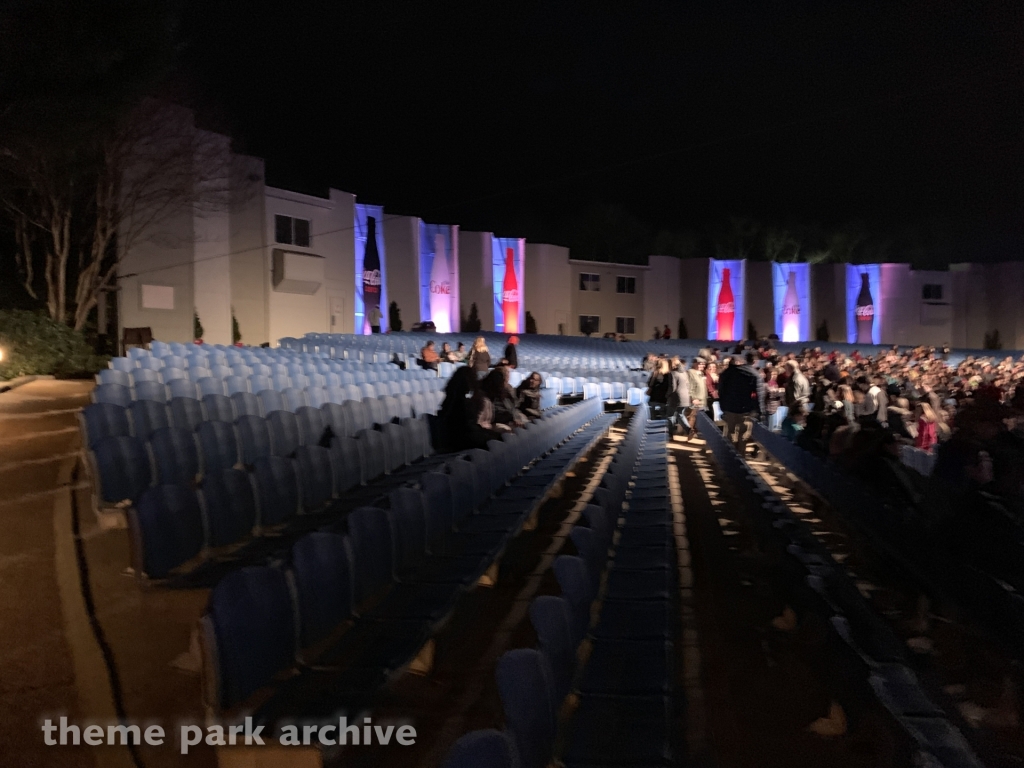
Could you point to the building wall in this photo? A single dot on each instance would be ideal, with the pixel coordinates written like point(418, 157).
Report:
point(760, 298)
point(606, 303)
point(212, 274)
point(907, 318)
point(1005, 302)
point(250, 280)
point(828, 300)
point(693, 296)
point(661, 295)
point(476, 282)
point(548, 284)
point(402, 251)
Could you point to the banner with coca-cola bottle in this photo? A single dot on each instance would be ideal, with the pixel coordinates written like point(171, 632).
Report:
point(507, 271)
point(863, 304)
point(439, 276)
point(791, 286)
point(371, 304)
point(726, 305)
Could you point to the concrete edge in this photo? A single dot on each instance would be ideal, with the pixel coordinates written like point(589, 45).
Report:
point(7, 386)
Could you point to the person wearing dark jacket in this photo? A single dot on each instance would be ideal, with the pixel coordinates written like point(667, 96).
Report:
point(741, 395)
point(528, 396)
point(479, 357)
point(511, 354)
point(658, 388)
point(679, 397)
point(463, 421)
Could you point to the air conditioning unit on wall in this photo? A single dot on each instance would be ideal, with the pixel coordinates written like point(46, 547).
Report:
point(301, 273)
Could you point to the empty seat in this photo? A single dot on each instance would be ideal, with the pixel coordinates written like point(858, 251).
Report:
point(182, 388)
point(234, 384)
point(167, 375)
point(230, 505)
point(372, 552)
point(335, 395)
point(284, 433)
point(140, 375)
point(100, 420)
point(250, 628)
point(346, 463)
point(148, 416)
point(218, 408)
point(311, 424)
point(270, 400)
point(122, 468)
point(374, 453)
point(375, 410)
point(112, 376)
point(277, 489)
point(357, 417)
point(487, 748)
point(280, 381)
point(220, 371)
point(166, 530)
point(246, 404)
point(293, 399)
point(219, 446)
point(122, 364)
point(316, 481)
point(186, 413)
point(525, 689)
point(175, 456)
point(396, 446)
point(389, 405)
point(259, 382)
point(253, 438)
point(322, 571)
point(151, 390)
point(316, 396)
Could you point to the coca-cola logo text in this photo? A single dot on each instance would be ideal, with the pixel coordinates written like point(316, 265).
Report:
point(510, 297)
point(727, 307)
point(792, 310)
point(371, 277)
point(445, 287)
point(865, 312)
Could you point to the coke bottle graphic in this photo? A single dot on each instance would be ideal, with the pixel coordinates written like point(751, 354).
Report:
point(510, 295)
point(371, 271)
point(791, 311)
point(864, 312)
point(440, 288)
point(726, 308)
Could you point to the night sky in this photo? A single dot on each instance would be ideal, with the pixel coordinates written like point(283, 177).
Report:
point(514, 116)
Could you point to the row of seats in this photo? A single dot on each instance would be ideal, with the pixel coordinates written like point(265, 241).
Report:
point(915, 458)
point(121, 394)
point(623, 704)
point(279, 360)
point(152, 444)
point(177, 528)
point(354, 603)
point(244, 379)
point(873, 660)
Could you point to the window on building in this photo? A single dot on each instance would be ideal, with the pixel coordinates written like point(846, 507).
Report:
point(625, 325)
point(590, 281)
point(931, 292)
point(157, 297)
point(590, 324)
point(625, 284)
point(291, 231)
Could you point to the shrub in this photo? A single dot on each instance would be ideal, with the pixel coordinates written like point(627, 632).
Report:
point(236, 332)
point(394, 317)
point(683, 332)
point(822, 333)
point(531, 323)
point(33, 344)
point(197, 327)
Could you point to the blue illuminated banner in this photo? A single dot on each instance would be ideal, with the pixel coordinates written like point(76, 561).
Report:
point(863, 303)
point(726, 285)
point(507, 270)
point(791, 286)
point(371, 277)
point(439, 276)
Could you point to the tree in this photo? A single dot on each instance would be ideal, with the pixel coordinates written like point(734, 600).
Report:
point(236, 333)
point(531, 323)
point(394, 317)
point(751, 331)
point(197, 327)
point(992, 340)
point(683, 333)
point(472, 323)
point(822, 333)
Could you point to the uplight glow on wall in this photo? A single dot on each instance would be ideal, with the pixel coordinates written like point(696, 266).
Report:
point(863, 305)
point(507, 269)
point(791, 286)
point(726, 316)
point(439, 276)
point(371, 281)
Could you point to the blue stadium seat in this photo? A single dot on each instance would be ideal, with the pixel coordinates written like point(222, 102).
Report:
point(122, 364)
point(148, 416)
point(253, 438)
point(246, 404)
point(168, 375)
point(151, 390)
point(166, 530)
point(316, 480)
point(234, 384)
point(182, 388)
point(347, 464)
point(111, 376)
point(210, 386)
point(140, 375)
point(186, 412)
point(270, 400)
point(481, 749)
point(322, 571)
point(259, 382)
point(100, 420)
point(311, 423)
point(250, 628)
point(220, 371)
point(285, 437)
point(389, 405)
point(527, 697)
point(293, 399)
point(219, 408)
point(397, 446)
point(175, 456)
point(372, 552)
point(375, 410)
point(230, 505)
point(280, 381)
point(277, 488)
point(374, 453)
point(219, 446)
point(553, 622)
point(123, 468)
point(357, 417)
point(316, 396)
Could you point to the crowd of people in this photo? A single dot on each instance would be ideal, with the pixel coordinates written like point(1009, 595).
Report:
point(858, 412)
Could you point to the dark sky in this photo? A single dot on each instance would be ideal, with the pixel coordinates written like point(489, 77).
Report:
point(513, 116)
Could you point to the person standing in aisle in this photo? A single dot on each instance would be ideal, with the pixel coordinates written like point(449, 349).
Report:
point(374, 318)
point(741, 393)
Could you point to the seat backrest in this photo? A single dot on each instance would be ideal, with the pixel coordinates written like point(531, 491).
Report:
point(439, 508)
point(246, 403)
point(175, 456)
point(140, 375)
point(277, 490)
point(151, 390)
point(552, 621)
point(182, 388)
point(186, 413)
point(259, 382)
point(270, 401)
point(113, 376)
point(219, 446)
point(574, 581)
point(166, 530)
point(311, 424)
point(374, 453)
point(253, 438)
point(465, 495)
point(375, 409)
point(294, 398)
point(347, 463)
point(284, 432)
point(357, 417)
point(219, 408)
point(486, 748)
point(316, 396)
point(322, 571)
point(101, 420)
point(252, 623)
point(316, 480)
point(208, 385)
point(372, 551)
point(148, 416)
point(123, 468)
point(526, 691)
point(590, 550)
point(234, 384)
point(408, 526)
point(396, 446)
point(230, 504)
